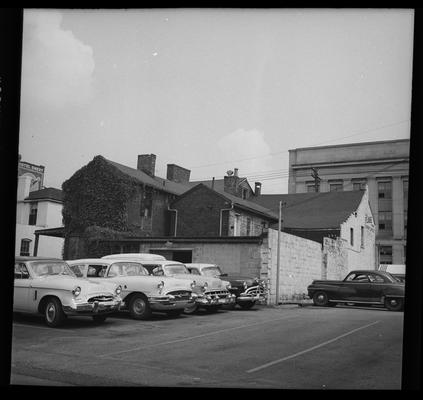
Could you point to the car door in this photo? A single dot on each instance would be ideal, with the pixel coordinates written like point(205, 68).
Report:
point(357, 288)
point(378, 286)
point(22, 288)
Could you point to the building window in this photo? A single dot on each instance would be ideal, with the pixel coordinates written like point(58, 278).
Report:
point(248, 226)
point(33, 214)
point(362, 237)
point(311, 187)
point(336, 186)
point(385, 221)
point(244, 193)
point(384, 190)
point(385, 254)
point(25, 243)
point(359, 185)
point(352, 236)
point(146, 203)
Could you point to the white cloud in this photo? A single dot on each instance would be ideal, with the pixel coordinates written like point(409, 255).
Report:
point(248, 150)
point(57, 67)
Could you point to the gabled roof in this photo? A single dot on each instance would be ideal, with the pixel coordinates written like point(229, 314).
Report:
point(155, 182)
point(313, 210)
point(237, 201)
point(219, 184)
point(46, 194)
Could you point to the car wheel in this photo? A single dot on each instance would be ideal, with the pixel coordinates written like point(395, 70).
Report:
point(139, 308)
point(320, 299)
point(99, 319)
point(174, 313)
point(191, 309)
point(393, 304)
point(247, 305)
point(53, 312)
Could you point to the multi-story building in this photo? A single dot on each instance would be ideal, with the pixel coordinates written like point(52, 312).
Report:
point(37, 208)
point(383, 166)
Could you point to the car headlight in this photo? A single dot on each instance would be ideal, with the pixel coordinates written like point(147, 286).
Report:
point(76, 291)
point(204, 287)
point(118, 290)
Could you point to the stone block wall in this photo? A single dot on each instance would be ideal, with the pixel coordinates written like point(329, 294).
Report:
point(300, 264)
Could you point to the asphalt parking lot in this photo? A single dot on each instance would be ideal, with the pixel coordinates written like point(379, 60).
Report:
point(284, 347)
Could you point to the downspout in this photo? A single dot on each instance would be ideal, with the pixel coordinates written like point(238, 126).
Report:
point(176, 217)
point(221, 211)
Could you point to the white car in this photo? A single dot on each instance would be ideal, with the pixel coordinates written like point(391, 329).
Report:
point(47, 286)
point(211, 293)
point(141, 293)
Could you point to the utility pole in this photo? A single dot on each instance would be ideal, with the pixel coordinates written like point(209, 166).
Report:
point(317, 180)
point(278, 253)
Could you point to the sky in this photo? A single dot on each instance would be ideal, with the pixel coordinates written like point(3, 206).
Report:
point(210, 89)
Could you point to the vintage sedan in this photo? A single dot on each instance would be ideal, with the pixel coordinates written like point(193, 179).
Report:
point(142, 293)
point(247, 290)
point(360, 287)
point(211, 292)
point(47, 286)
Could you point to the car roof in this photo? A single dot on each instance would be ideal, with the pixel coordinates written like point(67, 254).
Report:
point(36, 258)
point(101, 260)
point(145, 256)
point(200, 265)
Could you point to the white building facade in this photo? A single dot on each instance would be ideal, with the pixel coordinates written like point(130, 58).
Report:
point(37, 208)
point(383, 166)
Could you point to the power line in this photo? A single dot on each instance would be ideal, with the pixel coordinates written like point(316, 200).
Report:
point(314, 144)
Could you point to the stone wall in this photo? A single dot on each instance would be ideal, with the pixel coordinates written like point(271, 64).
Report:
point(300, 264)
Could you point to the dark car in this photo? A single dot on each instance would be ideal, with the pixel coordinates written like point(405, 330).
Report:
point(247, 290)
point(360, 287)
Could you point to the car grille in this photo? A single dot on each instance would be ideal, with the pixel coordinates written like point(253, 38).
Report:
point(256, 290)
point(220, 293)
point(181, 294)
point(100, 298)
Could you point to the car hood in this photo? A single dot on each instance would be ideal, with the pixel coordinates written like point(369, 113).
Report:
point(144, 282)
point(200, 280)
point(66, 282)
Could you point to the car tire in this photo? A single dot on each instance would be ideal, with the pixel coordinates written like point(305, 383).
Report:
point(139, 307)
point(174, 313)
point(99, 319)
point(191, 309)
point(247, 305)
point(320, 299)
point(394, 304)
point(53, 312)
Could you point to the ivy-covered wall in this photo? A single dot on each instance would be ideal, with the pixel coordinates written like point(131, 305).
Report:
point(95, 203)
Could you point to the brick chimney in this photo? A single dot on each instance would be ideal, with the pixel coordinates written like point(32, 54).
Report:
point(147, 163)
point(257, 188)
point(178, 174)
point(230, 182)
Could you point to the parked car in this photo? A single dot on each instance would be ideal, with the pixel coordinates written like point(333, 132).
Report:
point(47, 286)
point(247, 290)
point(212, 293)
point(396, 270)
point(142, 293)
point(359, 287)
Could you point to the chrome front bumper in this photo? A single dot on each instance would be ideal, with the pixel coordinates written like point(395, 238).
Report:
point(254, 293)
point(94, 308)
point(210, 299)
point(166, 303)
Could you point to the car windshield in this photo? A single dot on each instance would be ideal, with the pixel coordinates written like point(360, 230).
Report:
point(127, 269)
point(175, 269)
point(211, 271)
point(44, 268)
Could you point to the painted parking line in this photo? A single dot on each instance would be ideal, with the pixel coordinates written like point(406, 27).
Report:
point(310, 349)
point(196, 336)
point(43, 327)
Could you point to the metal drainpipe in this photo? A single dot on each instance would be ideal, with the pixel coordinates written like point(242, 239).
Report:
point(176, 218)
point(220, 222)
